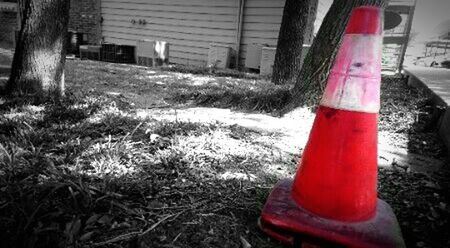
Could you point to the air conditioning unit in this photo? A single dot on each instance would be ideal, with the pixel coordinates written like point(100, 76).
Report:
point(90, 52)
point(253, 56)
point(110, 52)
point(125, 54)
point(152, 53)
point(267, 60)
point(219, 55)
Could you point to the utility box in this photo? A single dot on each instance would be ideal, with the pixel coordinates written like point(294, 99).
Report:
point(110, 52)
point(152, 53)
point(90, 52)
point(253, 56)
point(267, 60)
point(125, 54)
point(219, 55)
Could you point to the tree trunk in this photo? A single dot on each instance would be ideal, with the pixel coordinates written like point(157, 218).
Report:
point(313, 76)
point(39, 58)
point(290, 41)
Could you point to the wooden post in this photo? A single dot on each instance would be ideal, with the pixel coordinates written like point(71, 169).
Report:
point(239, 21)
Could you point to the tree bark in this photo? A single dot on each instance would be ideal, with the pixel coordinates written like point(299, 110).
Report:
point(290, 41)
point(313, 76)
point(39, 58)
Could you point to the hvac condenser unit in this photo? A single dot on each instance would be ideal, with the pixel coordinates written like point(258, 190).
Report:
point(91, 52)
point(219, 55)
point(152, 53)
point(253, 56)
point(267, 60)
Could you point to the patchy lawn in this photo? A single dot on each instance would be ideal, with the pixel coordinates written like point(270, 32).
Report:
point(136, 157)
point(148, 88)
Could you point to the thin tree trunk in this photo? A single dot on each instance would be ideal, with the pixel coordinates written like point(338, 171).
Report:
point(39, 58)
point(313, 76)
point(290, 41)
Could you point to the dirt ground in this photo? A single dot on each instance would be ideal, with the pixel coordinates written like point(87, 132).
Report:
point(137, 157)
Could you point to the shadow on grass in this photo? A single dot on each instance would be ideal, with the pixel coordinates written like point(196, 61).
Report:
point(217, 72)
point(266, 99)
point(105, 178)
point(98, 176)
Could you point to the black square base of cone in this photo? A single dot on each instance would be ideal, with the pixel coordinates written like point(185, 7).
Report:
point(284, 220)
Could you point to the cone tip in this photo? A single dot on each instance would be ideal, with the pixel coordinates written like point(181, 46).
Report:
point(365, 20)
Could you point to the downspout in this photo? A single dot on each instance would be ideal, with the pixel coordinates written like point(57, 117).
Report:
point(240, 17)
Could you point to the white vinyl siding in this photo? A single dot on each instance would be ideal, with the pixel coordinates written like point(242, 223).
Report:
point(261, 24)
point(188, 25)
point(191, 25)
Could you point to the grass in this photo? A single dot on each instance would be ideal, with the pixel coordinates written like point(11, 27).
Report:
point(266, 99)
point(148, 88)
point(218, 72)
point(87, 171)
point(81, 171)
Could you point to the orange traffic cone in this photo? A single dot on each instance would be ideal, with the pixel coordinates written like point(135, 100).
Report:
point(333, 200)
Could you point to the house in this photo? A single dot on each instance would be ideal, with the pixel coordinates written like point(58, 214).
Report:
point(85, 18)
point(190, 26)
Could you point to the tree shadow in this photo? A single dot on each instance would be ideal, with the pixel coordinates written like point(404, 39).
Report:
point(266, 99)
point(88, 177)
point(106, 178)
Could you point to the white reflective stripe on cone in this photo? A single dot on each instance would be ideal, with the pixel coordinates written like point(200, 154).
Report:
point(354, 81)
point(353, 93)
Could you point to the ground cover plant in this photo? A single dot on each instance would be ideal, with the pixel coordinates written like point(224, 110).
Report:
point(91, 171)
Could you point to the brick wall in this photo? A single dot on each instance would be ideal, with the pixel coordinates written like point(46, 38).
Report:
point(8, 24)
point(85, 17)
